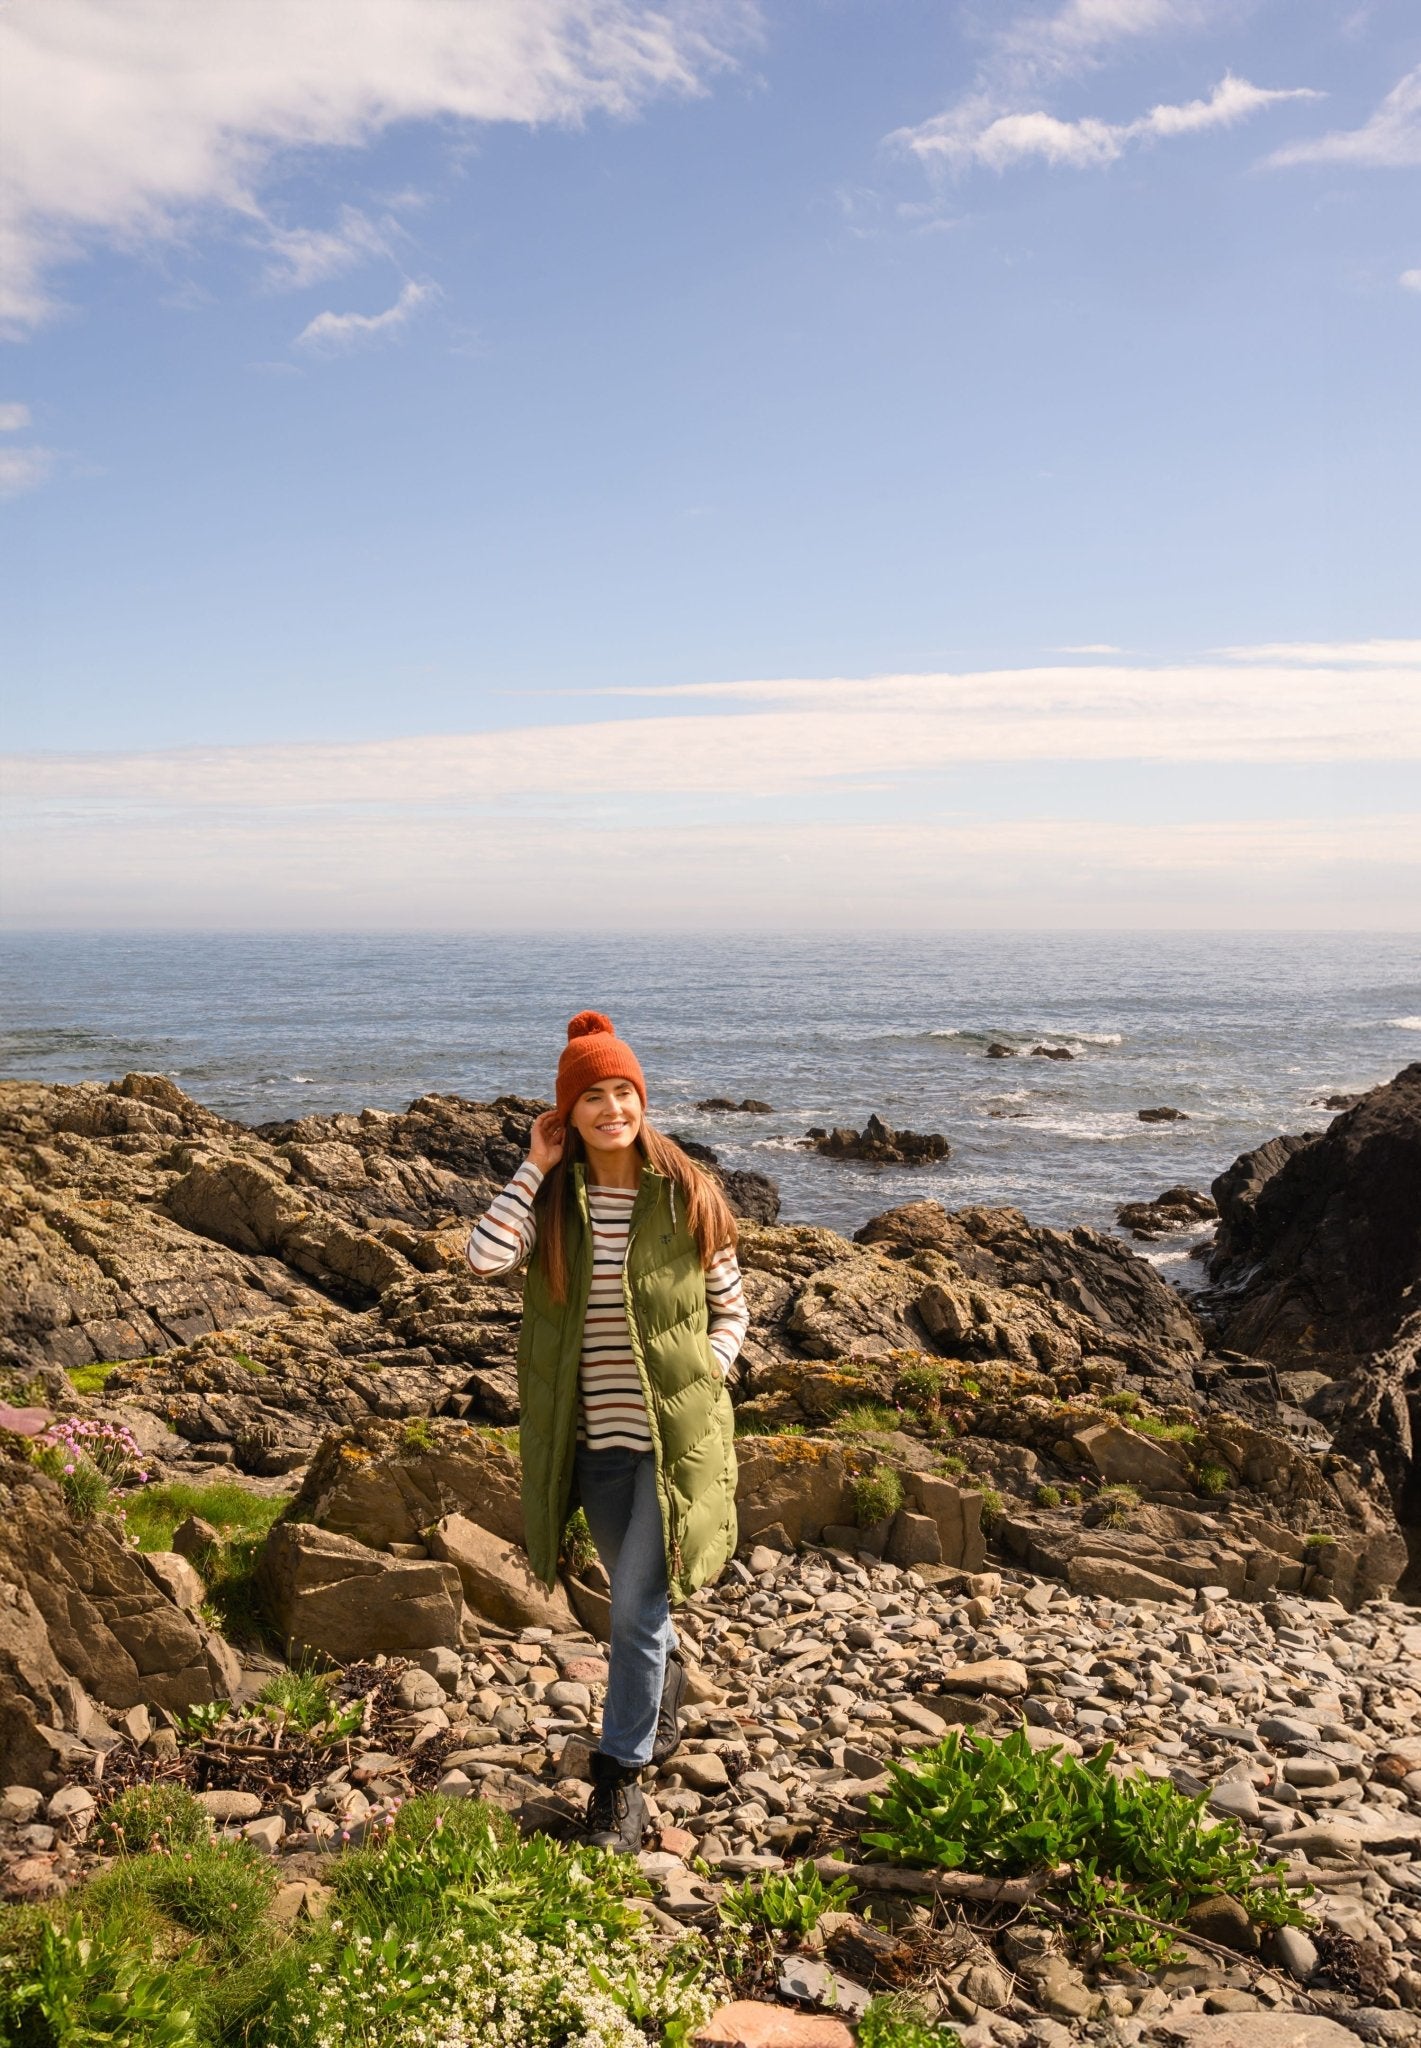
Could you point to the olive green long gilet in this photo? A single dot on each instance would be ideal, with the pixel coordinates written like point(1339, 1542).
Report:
point(687, 1405)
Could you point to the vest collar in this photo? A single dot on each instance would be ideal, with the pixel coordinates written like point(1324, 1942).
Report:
point(648, 1188)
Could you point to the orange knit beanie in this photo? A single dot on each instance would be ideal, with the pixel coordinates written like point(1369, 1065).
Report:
point(594, 1053)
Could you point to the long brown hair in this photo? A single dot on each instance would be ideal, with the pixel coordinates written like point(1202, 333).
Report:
point(708, 1216)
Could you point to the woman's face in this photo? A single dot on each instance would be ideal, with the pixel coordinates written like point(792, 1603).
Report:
point(607, 1116)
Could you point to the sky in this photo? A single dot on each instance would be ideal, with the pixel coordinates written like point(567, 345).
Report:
point(784, 464)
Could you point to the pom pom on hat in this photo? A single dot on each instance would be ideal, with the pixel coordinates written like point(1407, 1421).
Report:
point(586, 1022)
point(594, 1053)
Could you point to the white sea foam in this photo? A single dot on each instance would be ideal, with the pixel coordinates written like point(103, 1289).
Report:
point(1405, 1023)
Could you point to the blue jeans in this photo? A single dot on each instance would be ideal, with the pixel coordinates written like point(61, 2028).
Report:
point(618, 1494)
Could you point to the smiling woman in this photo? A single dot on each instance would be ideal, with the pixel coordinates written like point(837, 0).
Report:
point(633, 1315)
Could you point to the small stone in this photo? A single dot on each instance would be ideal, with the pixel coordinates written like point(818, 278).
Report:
point(1234, 1796)
point(1288, 1948)
point(575, 1759)
point(992, 1674)
point(1255, 2030)
point(416, 1690)
point(1060, 1987)
point(20, 1804)
point(227, 1807)
point(455, 1785)
point(586, 1670)
point(1310, 1771)
point(195, 1539)
point(266, 1833)
point(750, 2024)
point(302, 1899)
point(1223, 1920)
point(921, 1718)
point(73, 1807)
point(444, 1664)
point(677, 1842)
point(171, 1572)
point(814, 1983)
point(566, 1692)
point(703, 1770)
point(137, 1724)
point(762, 1559)
point(1231, 2001)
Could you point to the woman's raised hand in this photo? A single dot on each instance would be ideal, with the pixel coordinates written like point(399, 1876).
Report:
point(546, 1140)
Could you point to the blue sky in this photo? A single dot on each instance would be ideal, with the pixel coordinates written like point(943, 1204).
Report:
point(487, 375)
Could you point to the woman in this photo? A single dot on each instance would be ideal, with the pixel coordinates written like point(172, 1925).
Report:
point(633, 1315)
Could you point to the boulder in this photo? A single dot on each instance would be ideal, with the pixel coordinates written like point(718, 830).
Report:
point(797, 1482)
point(1178, 1208)
point(497, 1579)
point(1125, 1458)
point(378, 1484)
point(956, 1512)
point(172, 1573)
point(329, 1595)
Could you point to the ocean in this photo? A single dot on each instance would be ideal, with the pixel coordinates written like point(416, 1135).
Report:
point(1244, 1033)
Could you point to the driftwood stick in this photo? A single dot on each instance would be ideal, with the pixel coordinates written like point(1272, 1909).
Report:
point(940, 1884)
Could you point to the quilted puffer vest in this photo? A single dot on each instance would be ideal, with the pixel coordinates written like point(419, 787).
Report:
point(687, 1405)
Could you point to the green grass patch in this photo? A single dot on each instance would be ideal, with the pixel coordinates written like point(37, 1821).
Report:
point(161, 1817)
point(1116, 1505)
point(92, 1379)
point(877, 1418)
point(1135, 1844)
point(241, 1518)
point(894, 2021)
point(1212, 1478)
point(1163, 1432)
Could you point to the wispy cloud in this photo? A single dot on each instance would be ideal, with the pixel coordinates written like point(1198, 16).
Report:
point(332, 333)
point(1389, 140)
point(974, 133)
point(305, 256)
point(1410, 280)
point(122, 123)
point(1091, 647)
point(24, 469)
point(14, 418)
point(1398, 654)
point(1083, 30)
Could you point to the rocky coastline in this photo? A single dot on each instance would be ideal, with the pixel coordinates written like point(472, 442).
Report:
point(992, 1477)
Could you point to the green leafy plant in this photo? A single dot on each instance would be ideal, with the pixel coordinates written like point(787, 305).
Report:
point(921, 1385)
point(85, 1489)
point(896, 2022)
point(972, 1387)
point(302, 1698)
point(790, 1901)
point(81, 1991)
point(992, 1505)
point(203, 1719)
point(1121, 1403)
point(877, 1495)
point(1132, 1843)
point(1048, 1496)
point(951, 1465)
point(1212, 1478)
point(1318, 1540)
point(148, 1817)
point(219, 1890)
point(578, 1549)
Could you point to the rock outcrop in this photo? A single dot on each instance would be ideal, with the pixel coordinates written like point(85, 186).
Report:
point(1319, 1245)
point(83, 1627)
point(879, 1145)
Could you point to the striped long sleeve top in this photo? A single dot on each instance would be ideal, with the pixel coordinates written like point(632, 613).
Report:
point(611, 1408)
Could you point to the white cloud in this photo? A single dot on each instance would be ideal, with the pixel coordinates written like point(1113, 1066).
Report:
point(1091, 647)
point(1081, 29)
point(307, 256)
point(1390, 140)
point(1331, 653)
point(974, 133)
point(14, 418)
point(23, 469)
point(332, 332)
point(1410, 280)
point(772, 739)
point(122, 122)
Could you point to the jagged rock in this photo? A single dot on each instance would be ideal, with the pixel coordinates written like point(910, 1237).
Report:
point(377, 1484)
point(1320, 1235)
point(880, 1145)
point(1162, 1115)
point(1001, 1052)
point(77, 1605)
point(330, 1595)
point(496, 1577)
point(173, 1575)
point(1177, 1208)
point(1380, 1424)
point(795, 1482)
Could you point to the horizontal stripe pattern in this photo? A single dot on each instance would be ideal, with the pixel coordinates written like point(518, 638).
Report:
point(611, 1408)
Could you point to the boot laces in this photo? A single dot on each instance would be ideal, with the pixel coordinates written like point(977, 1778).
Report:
point(607, 1808)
